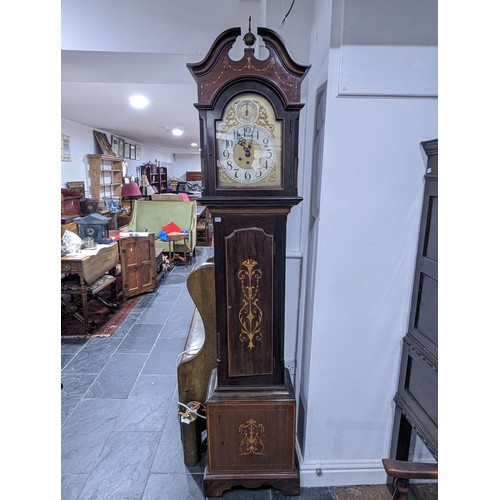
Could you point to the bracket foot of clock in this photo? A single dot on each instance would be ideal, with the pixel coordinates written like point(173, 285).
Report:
point(214, 485)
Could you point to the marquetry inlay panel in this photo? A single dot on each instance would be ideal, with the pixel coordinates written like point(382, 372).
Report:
point(252, 438)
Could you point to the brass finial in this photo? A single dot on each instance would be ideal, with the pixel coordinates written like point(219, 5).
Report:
point(249, 38)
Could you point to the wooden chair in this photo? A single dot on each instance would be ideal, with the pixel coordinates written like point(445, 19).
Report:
point(80, 293)
point(199, 356)
point(403, 471)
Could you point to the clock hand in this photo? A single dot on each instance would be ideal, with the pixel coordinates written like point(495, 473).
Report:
point(251, 139)
point(248, 148)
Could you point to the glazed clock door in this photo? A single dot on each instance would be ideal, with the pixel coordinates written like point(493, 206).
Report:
point(249, 144)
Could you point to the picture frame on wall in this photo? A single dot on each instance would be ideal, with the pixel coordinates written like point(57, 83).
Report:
point(132, 151)
point(121, 147)
point(115, 143)
point(65, 148)
point(126, 152)
point(137, 152)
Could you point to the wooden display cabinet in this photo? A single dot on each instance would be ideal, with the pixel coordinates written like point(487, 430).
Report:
point(416, 399)
point(106, 175)
point(157, 176)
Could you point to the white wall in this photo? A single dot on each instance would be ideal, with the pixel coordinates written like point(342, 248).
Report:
point(362, 246)
point(183, 163)
point(82, 144)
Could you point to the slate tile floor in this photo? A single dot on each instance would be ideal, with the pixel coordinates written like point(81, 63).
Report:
point(120, 430)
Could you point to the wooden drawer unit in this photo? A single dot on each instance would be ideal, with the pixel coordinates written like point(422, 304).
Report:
point(70, 267)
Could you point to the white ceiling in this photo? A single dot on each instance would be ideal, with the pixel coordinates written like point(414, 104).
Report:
point(111, 50)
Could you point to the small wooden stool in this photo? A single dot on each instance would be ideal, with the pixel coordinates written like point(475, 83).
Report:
point(403, 471)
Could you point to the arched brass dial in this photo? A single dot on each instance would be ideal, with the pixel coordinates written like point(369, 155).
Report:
point(249, 144)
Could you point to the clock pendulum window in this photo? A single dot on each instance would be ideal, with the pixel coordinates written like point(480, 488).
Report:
point(249, 120)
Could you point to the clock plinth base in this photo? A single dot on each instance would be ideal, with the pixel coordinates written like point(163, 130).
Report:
point(214, 485)
point(251, 438)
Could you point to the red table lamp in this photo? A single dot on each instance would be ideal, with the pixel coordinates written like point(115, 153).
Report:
point(130, 191)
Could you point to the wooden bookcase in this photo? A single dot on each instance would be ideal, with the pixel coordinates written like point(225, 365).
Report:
point(105, 175)
point(157, 176)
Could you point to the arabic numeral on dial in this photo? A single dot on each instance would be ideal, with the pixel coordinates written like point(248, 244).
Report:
point(225, 153)
point(229, 165)
point(248, 175)
point(265, 141)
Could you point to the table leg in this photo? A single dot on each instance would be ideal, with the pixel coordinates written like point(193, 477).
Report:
point(85, 305)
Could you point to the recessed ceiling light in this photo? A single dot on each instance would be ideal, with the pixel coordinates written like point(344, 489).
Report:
point(194, 144)
point(138, 101)
point(177, 131)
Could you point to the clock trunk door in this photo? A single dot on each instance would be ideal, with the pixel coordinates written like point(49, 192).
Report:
point(249, 293)
point(250, 309)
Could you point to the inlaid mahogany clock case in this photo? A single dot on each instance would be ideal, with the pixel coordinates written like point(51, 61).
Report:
point(250, 404)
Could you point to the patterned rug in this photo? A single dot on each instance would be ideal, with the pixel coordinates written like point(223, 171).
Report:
point(105, 321)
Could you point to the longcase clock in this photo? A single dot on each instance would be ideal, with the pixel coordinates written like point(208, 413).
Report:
point(249, 120)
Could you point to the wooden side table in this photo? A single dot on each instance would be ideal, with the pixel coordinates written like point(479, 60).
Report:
point(172, 256)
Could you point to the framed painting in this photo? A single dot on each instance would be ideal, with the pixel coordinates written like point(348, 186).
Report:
point(137, 152)
point(121, 147)
point(65, 148)
point(126, 152)
point(104, 145)
point(115, 142)
point(132, 151)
